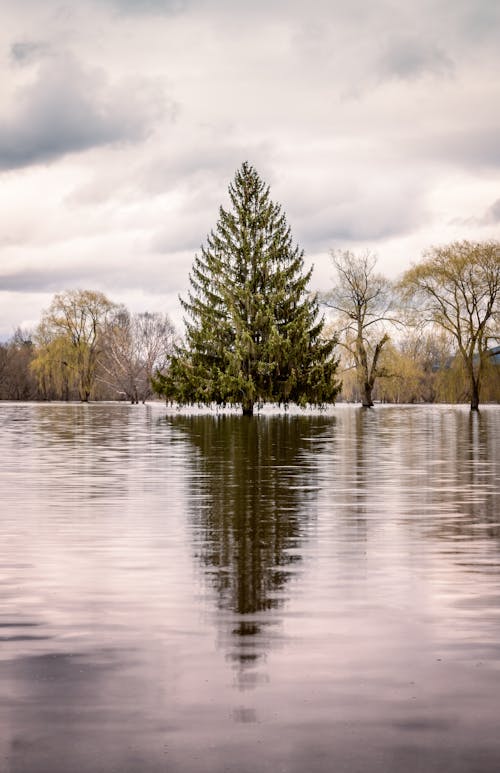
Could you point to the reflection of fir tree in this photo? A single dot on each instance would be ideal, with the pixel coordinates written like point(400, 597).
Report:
point(249, 495)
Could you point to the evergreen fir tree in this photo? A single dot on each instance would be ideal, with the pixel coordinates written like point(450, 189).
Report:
point(252, 329)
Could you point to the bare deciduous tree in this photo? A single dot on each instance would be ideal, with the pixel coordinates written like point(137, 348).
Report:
point(136, 346)
point(364, 304)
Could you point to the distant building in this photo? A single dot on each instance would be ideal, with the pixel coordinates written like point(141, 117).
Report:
point(494, 355)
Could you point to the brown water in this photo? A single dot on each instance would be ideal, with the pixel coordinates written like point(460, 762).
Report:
point(200, 594)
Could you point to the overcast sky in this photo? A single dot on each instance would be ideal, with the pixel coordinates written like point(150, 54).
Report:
point(122, 122)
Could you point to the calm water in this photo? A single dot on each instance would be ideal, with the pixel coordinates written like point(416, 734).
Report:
point(201, 594)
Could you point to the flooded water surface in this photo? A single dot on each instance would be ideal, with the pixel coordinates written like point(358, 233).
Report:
point(194, 593)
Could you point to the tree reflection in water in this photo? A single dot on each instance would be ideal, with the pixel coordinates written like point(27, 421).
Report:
point(252, 491)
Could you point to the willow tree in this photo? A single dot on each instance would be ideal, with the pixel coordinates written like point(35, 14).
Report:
point(457, 288)
point(252, 328)
point(69, 342)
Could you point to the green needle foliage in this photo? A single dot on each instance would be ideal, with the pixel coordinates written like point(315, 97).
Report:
point(252, 329)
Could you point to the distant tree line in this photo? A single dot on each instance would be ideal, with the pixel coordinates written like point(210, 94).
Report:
point(254, 333)
point(86, 347)
point(430, 337)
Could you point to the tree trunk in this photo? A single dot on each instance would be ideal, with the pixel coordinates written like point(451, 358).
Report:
point(366, 396)
point(247, 408)
point(474, 400)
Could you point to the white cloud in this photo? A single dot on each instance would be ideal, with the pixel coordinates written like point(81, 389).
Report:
point(375, 124)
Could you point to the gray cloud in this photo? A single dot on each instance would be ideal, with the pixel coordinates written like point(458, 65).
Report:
point(200, 171)
point(475, 148)
point(153, 274)
point(411, 58)
point(28, 51)
point(148, 6)
point(371, 215)
point(492, 215)
point(65, 10)
point(190, 167)
point(187, 232)
point(69, 109)
point(45, 280)
point(477, 21)
point(205, 164)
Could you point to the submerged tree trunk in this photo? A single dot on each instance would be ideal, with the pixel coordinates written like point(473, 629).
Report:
point(474, 372)
point(366, 396)
point(474, 401)
point(367, 373)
